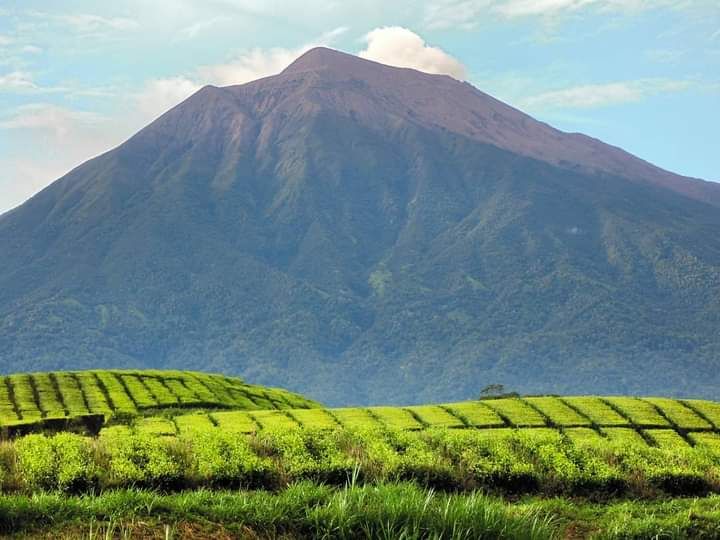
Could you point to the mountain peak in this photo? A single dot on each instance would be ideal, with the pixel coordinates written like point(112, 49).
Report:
point(319, 58)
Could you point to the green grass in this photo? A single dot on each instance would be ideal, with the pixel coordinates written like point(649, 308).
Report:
point(387, 511)
point(304, 510)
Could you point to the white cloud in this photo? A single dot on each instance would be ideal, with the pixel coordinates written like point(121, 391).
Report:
point(467, 14)
point(257, 63)
point(159, 95)
point(397, 46)
point(601, 95)
point(250, 65)
point(523, 8)
point(665, 56)
point(43, 142)
point(70, 137)
point(463, 14)
point(5, 40)
point(88, 23)
point(52, 118)
point(17, 81)
point(189, 32)
point(22, 82)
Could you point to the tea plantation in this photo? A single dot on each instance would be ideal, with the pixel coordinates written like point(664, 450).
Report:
point(33, 401)
point(83, 436)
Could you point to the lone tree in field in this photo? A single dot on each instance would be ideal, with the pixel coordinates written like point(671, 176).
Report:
point(492, 390)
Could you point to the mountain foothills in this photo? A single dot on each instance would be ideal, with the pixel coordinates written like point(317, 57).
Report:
point(365, 233)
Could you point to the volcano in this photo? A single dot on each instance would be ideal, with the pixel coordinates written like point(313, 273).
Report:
point(364, 233)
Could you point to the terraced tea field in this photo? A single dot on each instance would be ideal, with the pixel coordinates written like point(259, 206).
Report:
point(128, 433)
point(652, 421)
point(40, 398)
point(179, 403)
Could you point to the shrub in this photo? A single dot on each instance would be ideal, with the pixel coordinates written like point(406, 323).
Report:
point(61, 462)
point(145, 460)
point(226, 459)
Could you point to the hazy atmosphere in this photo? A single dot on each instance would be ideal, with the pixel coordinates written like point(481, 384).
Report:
point(78, 80)
point(360, 270)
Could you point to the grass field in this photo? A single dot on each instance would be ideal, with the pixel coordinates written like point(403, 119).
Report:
point(197, 433)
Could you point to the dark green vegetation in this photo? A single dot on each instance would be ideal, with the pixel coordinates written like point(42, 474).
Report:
point(330, 230)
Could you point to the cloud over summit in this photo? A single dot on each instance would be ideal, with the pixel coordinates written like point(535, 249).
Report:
point(401, 47)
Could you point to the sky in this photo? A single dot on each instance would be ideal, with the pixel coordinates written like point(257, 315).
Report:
point(78, 77)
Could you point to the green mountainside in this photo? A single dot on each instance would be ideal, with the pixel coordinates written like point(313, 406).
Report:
point(324, 231)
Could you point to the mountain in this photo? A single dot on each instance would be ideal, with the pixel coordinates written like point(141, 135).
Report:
point(364, 233)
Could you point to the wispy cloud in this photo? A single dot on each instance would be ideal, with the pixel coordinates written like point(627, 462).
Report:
point(87, 24)
point(45, 116)
point(602, 95)
point(466, 14)
point(31, 49)
point(158, 95)
point(23, 82)
point(66, 136)
point(257, 63)
point(17, 81)
point(397, 46)
point(192, 31)
point(665, 56)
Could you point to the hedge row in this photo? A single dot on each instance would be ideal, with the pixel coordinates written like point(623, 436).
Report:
point(523, 462)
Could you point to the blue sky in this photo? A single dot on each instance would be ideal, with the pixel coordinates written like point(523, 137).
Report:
point(78, 77)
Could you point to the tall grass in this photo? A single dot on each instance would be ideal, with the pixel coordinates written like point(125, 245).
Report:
point(391, 511)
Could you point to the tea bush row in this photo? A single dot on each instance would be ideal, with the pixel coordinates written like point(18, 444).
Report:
point(524, 461)
point(30, 397)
